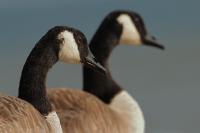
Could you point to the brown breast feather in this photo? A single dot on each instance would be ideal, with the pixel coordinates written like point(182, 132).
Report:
point(80, 112)
point(18, 116)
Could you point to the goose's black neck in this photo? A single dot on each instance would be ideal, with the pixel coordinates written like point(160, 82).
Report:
point(102, 86)
point(32, 86)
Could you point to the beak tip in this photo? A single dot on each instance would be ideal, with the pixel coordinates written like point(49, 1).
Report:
point(95, 65)
point(162, 47)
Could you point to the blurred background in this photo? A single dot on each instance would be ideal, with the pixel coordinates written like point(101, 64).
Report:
point(165, 83)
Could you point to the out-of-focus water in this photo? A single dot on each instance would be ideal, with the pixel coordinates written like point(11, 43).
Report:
point(165, 83)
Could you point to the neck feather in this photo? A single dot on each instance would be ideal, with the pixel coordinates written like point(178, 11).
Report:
point(104, 87)
point(32, 86)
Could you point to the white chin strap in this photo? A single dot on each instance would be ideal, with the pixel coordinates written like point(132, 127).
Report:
point(130, 34)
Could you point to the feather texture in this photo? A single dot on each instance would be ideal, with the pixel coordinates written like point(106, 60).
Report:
point(81, 112)
point(18, 116)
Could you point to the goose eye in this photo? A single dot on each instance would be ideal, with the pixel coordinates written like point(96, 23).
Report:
point(137, 20)
point(61, 40)
point(79, 40)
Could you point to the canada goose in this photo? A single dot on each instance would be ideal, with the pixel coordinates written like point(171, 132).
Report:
point(32, 111)
point(114, 111)
point(119, 27)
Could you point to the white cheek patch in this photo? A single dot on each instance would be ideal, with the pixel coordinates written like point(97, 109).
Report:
point(69, 52)
point(130, 34)
point(54, 121)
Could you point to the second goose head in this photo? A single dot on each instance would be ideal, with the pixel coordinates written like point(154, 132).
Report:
point(126, 27)
point(134, 30)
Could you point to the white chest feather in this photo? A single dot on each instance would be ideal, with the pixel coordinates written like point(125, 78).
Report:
point(129, 109)
point(54, 121)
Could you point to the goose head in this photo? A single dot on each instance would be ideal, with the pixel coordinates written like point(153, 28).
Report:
point(71, 47)
point(129, 28)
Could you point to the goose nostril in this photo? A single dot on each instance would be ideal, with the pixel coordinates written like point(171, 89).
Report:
point(153, 37)
point(95, 59)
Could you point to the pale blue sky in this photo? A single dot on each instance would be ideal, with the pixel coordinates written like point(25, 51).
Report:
point(165, 83)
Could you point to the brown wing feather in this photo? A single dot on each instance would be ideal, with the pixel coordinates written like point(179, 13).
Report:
point(18, 116)
point(80, 112)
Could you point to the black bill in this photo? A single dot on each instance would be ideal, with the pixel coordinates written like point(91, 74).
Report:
point(91, 62)
point(151, 41)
